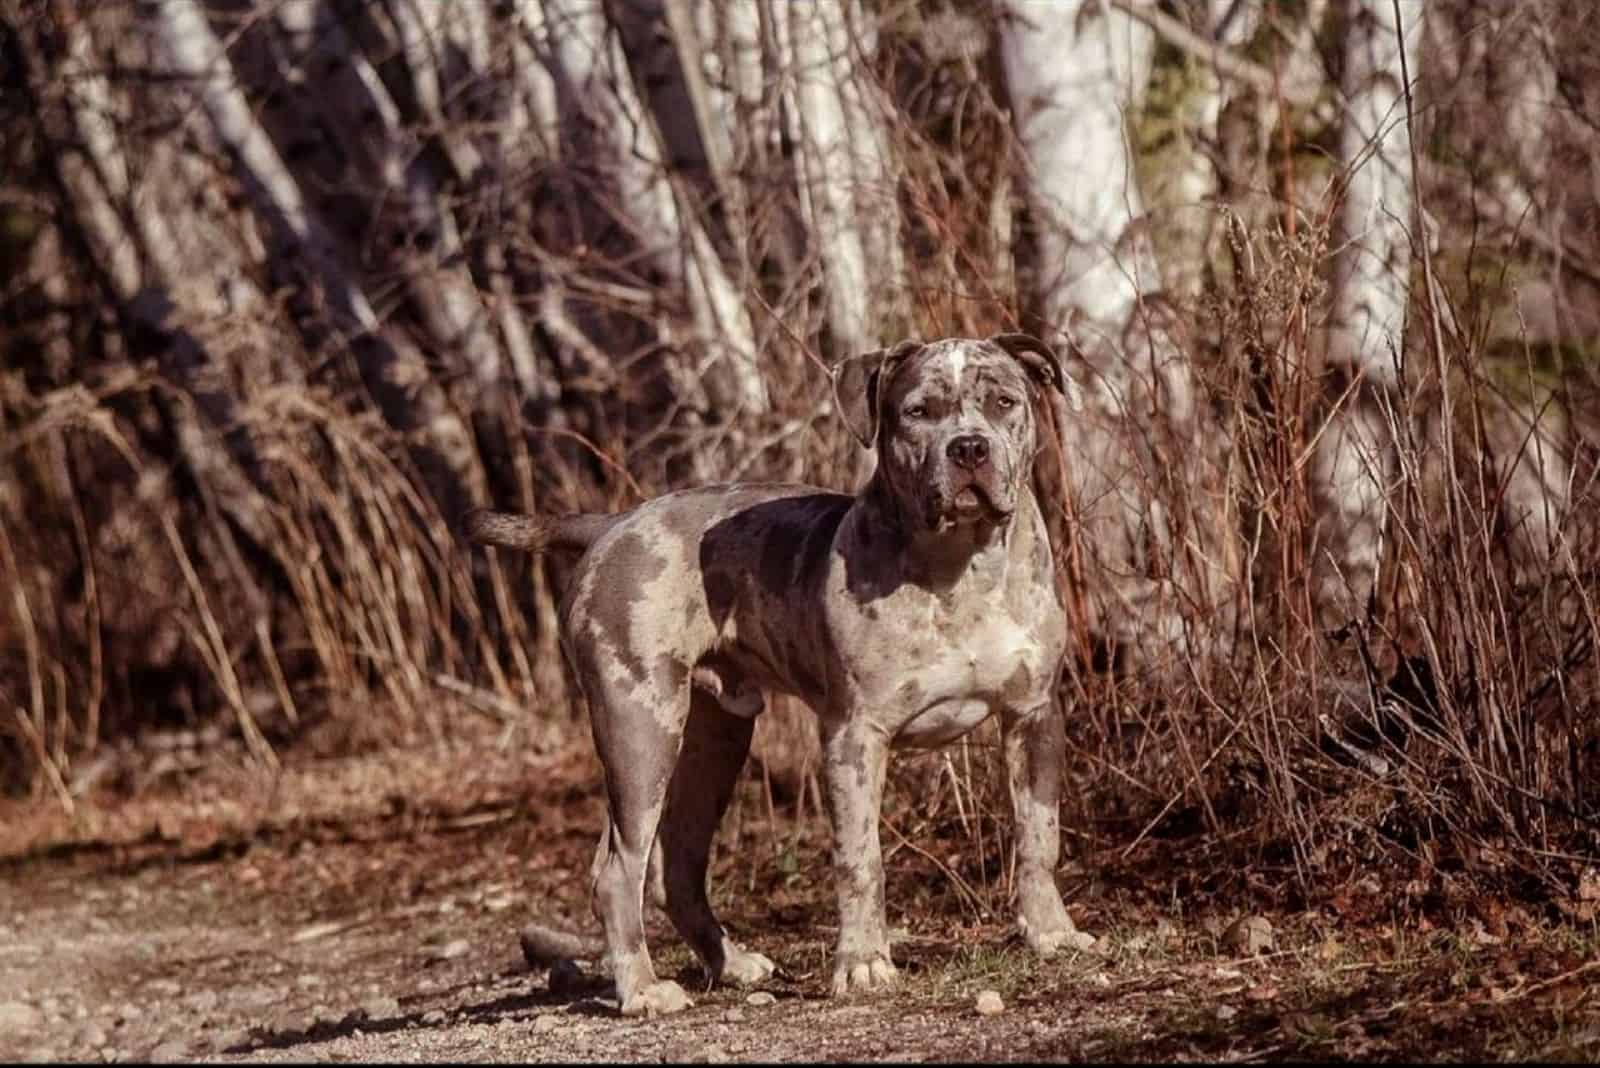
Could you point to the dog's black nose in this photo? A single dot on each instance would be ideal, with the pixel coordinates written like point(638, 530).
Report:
point(969, 450)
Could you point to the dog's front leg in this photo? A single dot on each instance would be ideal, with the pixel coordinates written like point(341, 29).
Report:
point(854, 757)
point(1035, 744)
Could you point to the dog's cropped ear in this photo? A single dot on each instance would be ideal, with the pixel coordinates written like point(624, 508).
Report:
point(1042, 365)
point(859, 383)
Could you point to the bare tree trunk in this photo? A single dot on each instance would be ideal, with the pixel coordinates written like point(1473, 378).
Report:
point(395, 372)
point(846, 188)
point(1512, 149)
point(144, 268)
point(808, 33)
point(596, 92)
point(1072, 71)
point(1528, 454)
point(366, 122)
point(1354, 460)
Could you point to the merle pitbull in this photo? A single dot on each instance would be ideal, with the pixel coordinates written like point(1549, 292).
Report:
point(904, 616)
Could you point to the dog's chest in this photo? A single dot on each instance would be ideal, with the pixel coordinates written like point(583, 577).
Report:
point(960, 670)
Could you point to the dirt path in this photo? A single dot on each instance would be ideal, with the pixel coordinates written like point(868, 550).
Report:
point(368, 909)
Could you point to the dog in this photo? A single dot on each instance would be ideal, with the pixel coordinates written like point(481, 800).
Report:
point(904, 616)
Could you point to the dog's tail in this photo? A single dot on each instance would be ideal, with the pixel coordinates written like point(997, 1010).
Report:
point(533, 534)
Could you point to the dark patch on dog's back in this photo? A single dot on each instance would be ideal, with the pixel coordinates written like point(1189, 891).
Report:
point(797, 543)
point(721, 590)
point(758, 562)
point(785, 541)
point(813, 557)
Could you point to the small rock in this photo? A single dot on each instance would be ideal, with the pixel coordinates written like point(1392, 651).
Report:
point(1226, 1013)
point(230, 1039)
point(734, 1015)
point(127, 1013)
point(1082, 941)
point(40, 1055)
point(565, 976)
point(169, 1052)
point(433, 1017)
point(18, 1017)
point(761, 998)
point(989, 1003)
point(546, 1022)
point(93, 1036)
point(1248, 935)
point(254, 997)
point(452, 949)
point(309, 981)
point(202, 1001)
point(51, 1007)
point(693, 1053)
point(164, 988)
point(499, 902)
point(380, 1008)
point(1038, 1028)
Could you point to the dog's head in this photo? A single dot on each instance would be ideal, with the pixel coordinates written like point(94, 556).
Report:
point(954, 422)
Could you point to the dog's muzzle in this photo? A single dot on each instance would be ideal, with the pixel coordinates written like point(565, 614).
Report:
point(971, 491)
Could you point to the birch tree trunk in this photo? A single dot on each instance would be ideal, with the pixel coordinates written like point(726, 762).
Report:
point(595, 90)
point(1073, 70)
point(364, 122)
point(809, 34)
point(394, 370)
point(144, 266)
point(1510, 50)
point(1353, 464)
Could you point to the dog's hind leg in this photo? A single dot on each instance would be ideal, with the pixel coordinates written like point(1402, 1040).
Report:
point(715, 745)
point(637, 738)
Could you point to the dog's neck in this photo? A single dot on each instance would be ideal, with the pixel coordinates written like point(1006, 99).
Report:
point(941, 561)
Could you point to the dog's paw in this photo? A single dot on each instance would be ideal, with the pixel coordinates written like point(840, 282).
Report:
point(742, 967)
point(658, 999)
point(866, 972)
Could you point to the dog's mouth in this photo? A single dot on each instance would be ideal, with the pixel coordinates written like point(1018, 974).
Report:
point(970, 504)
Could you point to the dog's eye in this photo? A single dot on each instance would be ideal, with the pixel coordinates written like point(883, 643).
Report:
point(916, 411)
point(1006, 402)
